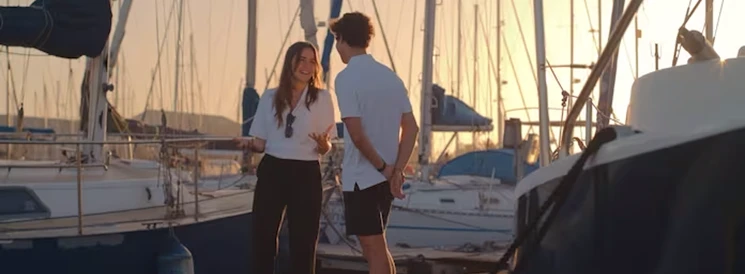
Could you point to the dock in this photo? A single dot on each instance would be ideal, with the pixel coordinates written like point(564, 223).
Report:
point(341, 258)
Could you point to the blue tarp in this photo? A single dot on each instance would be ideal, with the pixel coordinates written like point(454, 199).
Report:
point(485, 162)
point(63, 28)
point(8, 129)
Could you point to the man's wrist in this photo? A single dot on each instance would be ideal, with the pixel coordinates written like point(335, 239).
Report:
point(382, 167)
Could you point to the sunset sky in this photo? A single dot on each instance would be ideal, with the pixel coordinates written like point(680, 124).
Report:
point(218, 28)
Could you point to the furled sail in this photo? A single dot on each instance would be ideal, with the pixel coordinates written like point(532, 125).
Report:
point(308, 21)
point(63, 28)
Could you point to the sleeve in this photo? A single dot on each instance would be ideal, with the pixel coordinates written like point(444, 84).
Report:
point(405, 103)
point(347, 98)
point(328, 116)
point(259, 127)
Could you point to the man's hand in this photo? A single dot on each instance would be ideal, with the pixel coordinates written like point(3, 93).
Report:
point(397, 182)
point(388, 172)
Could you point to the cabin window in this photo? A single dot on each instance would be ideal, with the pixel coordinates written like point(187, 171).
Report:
point(20, 203)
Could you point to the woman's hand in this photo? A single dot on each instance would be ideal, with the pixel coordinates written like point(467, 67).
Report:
point(244, 143)
point(323, 141)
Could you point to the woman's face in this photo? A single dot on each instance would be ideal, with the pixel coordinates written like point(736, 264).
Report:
point(305, 66)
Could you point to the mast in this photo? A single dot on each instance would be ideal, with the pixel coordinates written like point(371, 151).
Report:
point(475, 65)
point(500, 110)
point(570, 99)
point(608, 80)
point(710, 21)
point(540, 44)
point(250, 96)
point(637, 35)
point(459, 70)
point(192, 65)
point(178, 54)
point(426, 104)
point(96, 81)
point(45, 105)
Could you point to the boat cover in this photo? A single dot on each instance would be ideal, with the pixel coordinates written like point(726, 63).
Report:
point(500, 162)
point(63, 28)
point(451, 111)
point(671, 211)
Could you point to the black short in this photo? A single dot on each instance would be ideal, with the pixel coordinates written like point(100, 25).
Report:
point(366, 211)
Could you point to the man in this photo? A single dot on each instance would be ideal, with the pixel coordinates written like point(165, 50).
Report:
point(374, 107)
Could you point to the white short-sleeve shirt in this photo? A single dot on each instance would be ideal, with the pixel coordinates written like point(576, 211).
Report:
point(373, 92)
point(300, 146)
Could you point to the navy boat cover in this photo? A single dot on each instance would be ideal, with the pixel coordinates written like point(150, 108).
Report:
point(676, 210)
point(63, 28)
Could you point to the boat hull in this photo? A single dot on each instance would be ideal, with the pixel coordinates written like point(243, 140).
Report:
point(221, 245)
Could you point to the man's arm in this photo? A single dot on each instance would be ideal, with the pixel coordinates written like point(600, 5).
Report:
point(360, 140)
point(409, 132)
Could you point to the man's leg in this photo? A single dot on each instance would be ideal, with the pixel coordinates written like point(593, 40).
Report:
point(384, 204)
point(366, 220)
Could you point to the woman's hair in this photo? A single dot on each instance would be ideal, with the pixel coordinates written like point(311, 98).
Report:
point(283, 94)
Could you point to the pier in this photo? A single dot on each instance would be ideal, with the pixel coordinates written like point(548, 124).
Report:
point(344, 259)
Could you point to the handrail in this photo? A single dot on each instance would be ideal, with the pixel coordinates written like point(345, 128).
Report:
point(52, 166)
point(79, 165)
point(123, 142)
point(605, 57)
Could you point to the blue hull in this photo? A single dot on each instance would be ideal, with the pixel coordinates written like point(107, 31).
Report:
point(221, 246)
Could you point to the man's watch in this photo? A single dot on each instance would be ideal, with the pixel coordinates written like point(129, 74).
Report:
point(383, 167)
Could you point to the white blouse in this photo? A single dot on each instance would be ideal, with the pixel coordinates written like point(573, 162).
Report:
point(300, 146)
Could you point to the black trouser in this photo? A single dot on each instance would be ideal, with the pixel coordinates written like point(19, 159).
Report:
point(293, 185)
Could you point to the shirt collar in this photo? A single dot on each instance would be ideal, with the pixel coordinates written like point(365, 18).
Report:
point(359, 58)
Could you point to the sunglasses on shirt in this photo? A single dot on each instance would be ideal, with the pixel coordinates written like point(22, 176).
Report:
point(288, 125)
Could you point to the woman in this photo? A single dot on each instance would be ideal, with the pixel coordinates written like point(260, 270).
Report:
point(291, 127)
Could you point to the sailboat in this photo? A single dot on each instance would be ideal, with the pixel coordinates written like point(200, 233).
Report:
point(660, 191)
point(93, 212)
point(455, 209)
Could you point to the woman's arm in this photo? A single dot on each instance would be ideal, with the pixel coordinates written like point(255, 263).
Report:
point(328, 123)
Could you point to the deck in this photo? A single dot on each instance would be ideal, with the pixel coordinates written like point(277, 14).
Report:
point(336, 258)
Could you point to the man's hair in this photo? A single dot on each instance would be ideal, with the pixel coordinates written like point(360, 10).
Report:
point(354, 28)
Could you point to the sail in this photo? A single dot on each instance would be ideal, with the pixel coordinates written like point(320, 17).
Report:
point(250, 104)
point(328, 44)
point(62, 28)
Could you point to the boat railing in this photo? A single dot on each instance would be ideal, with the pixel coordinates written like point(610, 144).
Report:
point(79, 162)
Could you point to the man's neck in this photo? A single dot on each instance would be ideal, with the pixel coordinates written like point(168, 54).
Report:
point(356, 52)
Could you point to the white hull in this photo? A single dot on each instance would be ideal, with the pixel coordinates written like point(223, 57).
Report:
point(442, 214)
